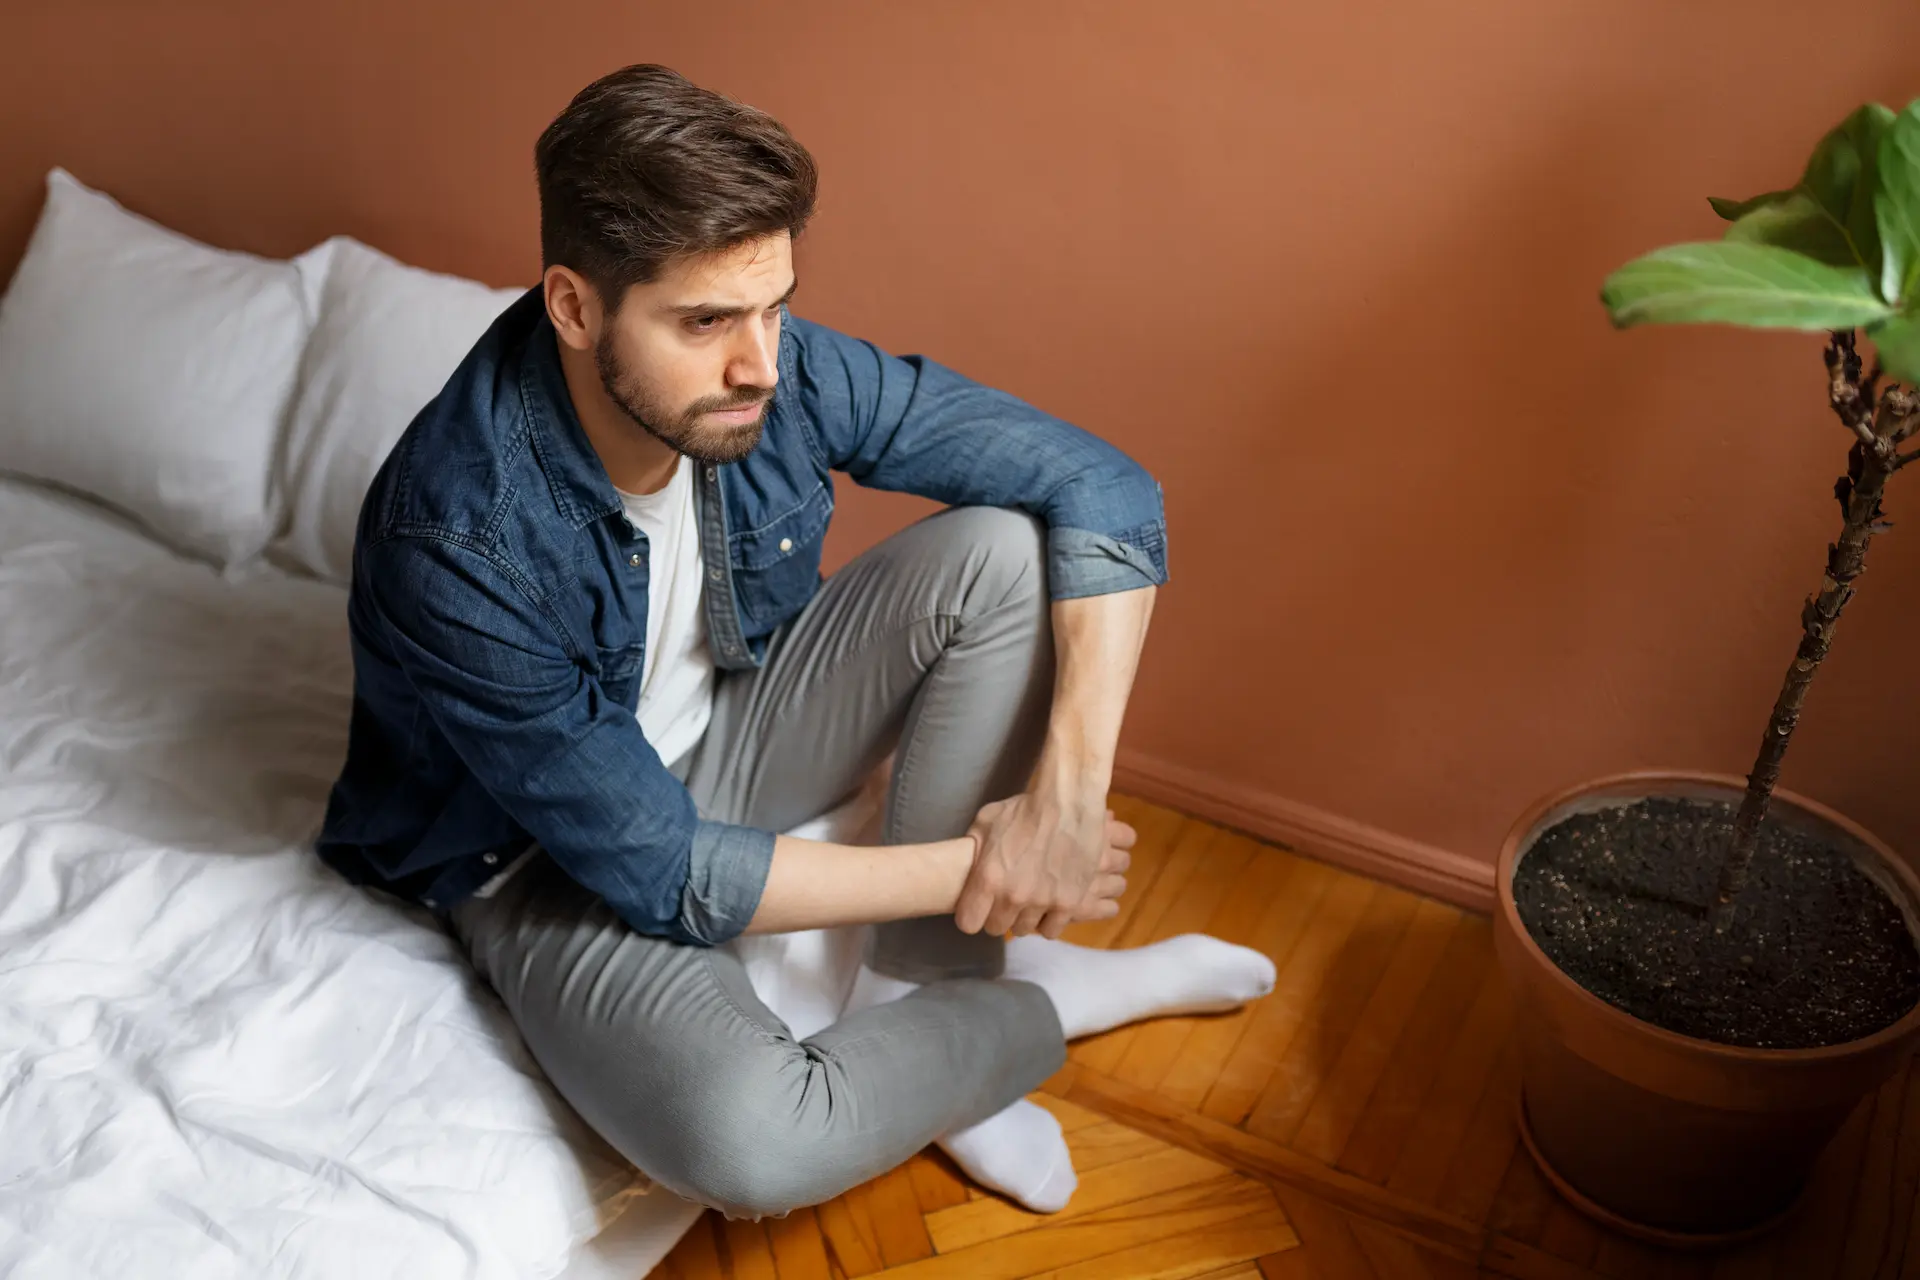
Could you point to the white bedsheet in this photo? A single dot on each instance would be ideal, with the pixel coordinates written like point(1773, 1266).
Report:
point(217, 1059)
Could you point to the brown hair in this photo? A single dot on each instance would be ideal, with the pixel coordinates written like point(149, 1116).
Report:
point(644, 166)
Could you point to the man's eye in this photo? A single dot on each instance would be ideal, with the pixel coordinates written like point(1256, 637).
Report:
point(704, 324)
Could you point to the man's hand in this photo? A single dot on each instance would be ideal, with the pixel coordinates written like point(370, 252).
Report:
point(1054, 854)
point(1044, 863)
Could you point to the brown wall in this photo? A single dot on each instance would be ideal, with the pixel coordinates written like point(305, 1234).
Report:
point(1441, 540)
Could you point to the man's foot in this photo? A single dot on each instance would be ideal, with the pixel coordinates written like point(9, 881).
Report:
point(1094, 990)
point(1019, 1152)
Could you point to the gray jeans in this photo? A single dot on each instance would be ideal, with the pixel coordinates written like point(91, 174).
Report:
point(934, 645)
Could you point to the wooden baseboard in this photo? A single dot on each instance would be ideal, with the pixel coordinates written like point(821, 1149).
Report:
point(1354, 846)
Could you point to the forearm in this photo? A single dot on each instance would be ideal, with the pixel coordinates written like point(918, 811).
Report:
point(1097, 643)
point(815, 885)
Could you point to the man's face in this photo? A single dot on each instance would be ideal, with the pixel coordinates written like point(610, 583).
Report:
point(690, 356)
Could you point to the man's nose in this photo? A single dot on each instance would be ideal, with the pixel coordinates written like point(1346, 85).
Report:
point(755, 359)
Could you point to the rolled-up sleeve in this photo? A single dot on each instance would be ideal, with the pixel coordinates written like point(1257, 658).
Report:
point(726, 874)
point(568, 764)
point(912, 425)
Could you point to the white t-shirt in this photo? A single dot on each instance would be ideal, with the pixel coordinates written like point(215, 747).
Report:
point(676, 684)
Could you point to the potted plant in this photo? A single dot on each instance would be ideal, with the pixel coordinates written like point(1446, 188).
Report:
point(1710, 972)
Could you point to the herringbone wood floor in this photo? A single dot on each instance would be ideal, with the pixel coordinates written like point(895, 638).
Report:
point(1354, 1125)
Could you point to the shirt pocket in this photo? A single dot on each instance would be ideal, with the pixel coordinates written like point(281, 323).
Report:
point(776, 567)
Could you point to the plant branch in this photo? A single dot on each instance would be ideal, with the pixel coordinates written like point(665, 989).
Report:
point(1898, 415)
point(1852, 400)
point(1870, 462)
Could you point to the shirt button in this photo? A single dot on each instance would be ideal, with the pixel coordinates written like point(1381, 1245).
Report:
point(428, 903)
point(634, 560)
point(489, 858)
point(733, 651)
point(786, 544)
point(712, 474)
point(714, 573)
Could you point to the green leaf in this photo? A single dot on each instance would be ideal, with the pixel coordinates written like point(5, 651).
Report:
point(1898, 342)
point(1733, 210)
point(1897, 208)
point(1798, 223)
point(1830, 214)
point(1730, 282)
point(1841, 177)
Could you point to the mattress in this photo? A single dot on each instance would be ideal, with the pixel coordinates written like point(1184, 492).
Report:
point(216, 1058)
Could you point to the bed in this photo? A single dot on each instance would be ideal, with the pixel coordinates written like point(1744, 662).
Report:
point(217, 1059)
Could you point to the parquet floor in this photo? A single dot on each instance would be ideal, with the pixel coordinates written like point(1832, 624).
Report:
point(1354, 1125)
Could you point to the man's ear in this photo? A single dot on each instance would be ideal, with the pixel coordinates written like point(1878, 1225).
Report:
point(574, 307)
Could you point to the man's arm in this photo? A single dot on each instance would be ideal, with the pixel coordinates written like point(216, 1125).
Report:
point(1041, 850)
point(569, 764)
point(911, 424)
point(815, 885)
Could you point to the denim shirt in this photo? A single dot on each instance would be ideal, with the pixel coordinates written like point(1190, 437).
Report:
point(498, 610)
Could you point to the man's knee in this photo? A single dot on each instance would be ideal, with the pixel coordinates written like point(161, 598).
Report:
point(1008, 552)
point(750, 1161)
point(756, 1135)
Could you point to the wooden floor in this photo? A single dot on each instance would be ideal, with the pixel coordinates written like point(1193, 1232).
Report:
point(1357, 1124)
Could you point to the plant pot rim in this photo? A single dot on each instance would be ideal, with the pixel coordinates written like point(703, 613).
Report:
point(1627, 1024)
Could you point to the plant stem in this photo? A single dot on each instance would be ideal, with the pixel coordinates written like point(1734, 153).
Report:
point(1869, 463)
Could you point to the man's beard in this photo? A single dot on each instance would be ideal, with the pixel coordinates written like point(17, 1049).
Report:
point(681, 430)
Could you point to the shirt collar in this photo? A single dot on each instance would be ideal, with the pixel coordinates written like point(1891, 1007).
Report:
point(582, 490)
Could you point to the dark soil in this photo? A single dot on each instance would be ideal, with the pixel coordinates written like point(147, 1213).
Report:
point(1813, 952)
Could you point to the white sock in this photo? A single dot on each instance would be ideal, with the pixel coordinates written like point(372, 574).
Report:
point(1094, 990)
point(1019, 1152)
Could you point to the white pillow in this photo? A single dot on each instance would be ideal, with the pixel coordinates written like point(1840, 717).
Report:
point(387, 338)
point(150, 371)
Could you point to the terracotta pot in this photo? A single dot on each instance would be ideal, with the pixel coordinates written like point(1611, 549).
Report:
point(1680, 1141)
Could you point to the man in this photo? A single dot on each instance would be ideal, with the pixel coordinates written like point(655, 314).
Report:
point(597, 670)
